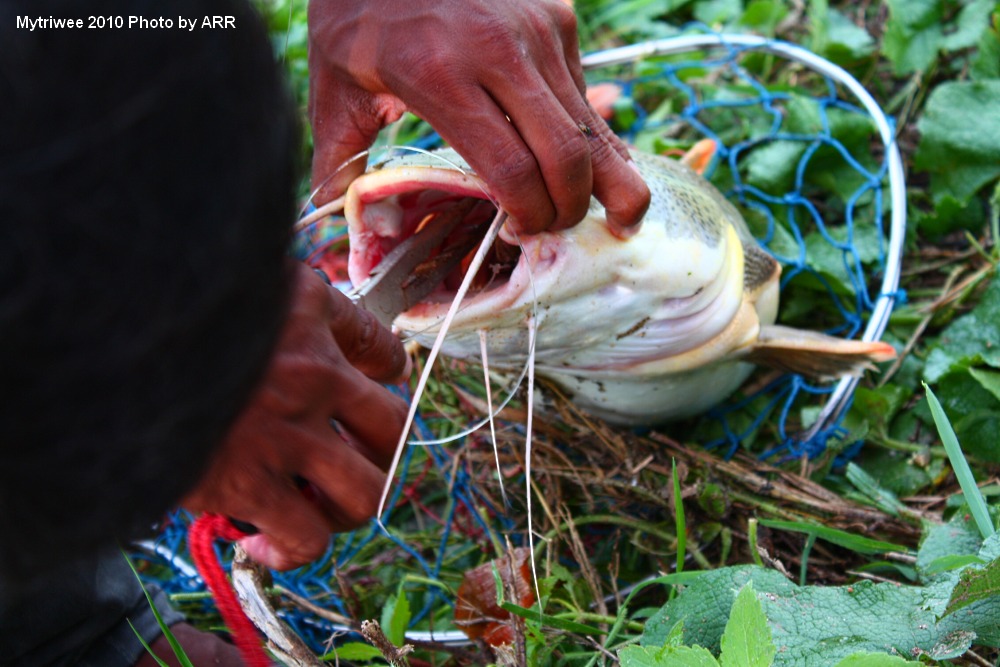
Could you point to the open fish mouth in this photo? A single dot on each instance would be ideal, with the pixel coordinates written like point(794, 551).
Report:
point(384, 208)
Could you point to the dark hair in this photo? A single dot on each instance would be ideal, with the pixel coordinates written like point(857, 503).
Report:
point(147, 181)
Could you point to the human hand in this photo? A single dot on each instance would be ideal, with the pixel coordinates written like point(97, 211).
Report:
point(326, 365)
point(500, 80)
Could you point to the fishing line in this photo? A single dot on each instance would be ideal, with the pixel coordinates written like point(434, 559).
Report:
point(527, 455)
point(489, 411)
point(477, 262)
point(511, 393)
point(529, 422)
point(513, 387)
point(330, 208)
point(335, 206)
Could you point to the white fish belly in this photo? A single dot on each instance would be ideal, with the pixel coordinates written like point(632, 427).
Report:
point(653, 398)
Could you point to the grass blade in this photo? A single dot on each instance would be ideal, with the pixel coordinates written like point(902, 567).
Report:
point(977, 505)
point(679, 519)
point(174, 644)
point(856, 543)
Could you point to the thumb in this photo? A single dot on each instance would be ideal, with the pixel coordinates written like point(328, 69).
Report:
point(345, 121)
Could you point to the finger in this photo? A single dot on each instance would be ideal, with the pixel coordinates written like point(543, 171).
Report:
point(583, 157)
point(347, 485)
point(511, 171)
point(534, 94)
point(480, 131)
point(617, 182)
point(365, 343)
point(345, 121)
point(560, 149)
point(370, 417)
point(272, 554)
point(359, 336)
point(293, 530)
point(565, 23)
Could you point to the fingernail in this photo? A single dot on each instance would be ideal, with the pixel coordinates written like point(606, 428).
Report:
point(259, 548)
point(507, 232)
point(407, 369)
point(630, 162)
point(623, 232)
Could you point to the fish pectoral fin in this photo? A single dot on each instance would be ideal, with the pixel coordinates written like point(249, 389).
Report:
point(700, 155)
point(814, 354)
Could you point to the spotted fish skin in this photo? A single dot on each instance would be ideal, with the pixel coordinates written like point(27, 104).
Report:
point(658, 326)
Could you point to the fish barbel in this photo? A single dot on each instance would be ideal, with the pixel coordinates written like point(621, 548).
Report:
point(658, 326)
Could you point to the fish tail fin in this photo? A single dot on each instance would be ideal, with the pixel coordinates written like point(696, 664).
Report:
point(814, 354)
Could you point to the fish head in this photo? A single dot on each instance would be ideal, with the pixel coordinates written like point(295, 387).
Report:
point(672, 295)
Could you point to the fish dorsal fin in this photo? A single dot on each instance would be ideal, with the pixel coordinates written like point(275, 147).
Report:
point(814, 354)
point(759, 267)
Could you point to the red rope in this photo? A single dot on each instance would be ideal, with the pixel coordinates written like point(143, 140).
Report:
point(201, 537)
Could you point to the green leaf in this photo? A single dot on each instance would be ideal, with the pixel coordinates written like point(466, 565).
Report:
point(764, 15)
point(396, 617)
point(970, 340)
point(970, 25)
point(973, 411)
point(679, 517)
point(713, 12)
point(816, 625)
point(746, 641)
point(706, 603)
point(771, 166)
point(960, 138)
point(900, 472)
point(876, 660)
point(676, 635)
point(880, 404)
point(958, 537)
point(916, 31)
point(149, 649)
point(949, 215)
point(635, 19)
point(353, 651)
point(836, 265)
point(952, 562)
point(974, 585)
point(913, 34)
point(550, 621)
point(844, 41)
point(713, 500)
point(988, 380)
point(666, 656)
point(882, 498)
point(861, 617)
point(987, 61)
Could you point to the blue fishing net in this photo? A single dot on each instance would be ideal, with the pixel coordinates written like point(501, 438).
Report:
point(806, 166)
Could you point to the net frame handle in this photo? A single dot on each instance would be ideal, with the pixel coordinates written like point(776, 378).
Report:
point(841, 395)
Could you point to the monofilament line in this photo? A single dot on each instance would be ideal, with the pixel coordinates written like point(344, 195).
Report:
point(477, 262)
point(489, 411)
point(527, 454)
point(330, 208)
